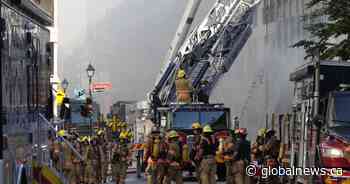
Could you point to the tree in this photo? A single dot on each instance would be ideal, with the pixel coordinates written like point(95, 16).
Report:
point(331, 38)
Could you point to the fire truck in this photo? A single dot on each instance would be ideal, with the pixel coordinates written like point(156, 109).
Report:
point(205, 55)
point(322, 140)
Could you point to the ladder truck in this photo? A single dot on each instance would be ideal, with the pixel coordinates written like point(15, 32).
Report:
point(205, 54)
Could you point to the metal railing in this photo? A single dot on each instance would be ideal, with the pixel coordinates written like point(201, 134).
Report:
point(69, 144)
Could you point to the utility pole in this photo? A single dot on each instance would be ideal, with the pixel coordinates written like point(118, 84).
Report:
point(317, 64)
point(1, 104)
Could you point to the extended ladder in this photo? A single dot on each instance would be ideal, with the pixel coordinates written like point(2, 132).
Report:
point(211, 48)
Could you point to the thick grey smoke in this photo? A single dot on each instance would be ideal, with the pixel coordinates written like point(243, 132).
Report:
point(125, 40)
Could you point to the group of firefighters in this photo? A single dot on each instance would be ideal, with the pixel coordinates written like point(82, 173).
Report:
point(166, 155)
point(91, 159)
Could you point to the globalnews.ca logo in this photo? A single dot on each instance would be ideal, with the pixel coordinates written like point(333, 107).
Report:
point(265, 172)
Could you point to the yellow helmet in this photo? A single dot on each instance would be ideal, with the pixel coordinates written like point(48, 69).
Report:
point(61, 133)
point(207, 129)
point(181, 74)
point(262, 132)
point(130, 135)
point(88, 139)
point(173, 134)
point(123, 135)
point(196, 125)
point(100, 132)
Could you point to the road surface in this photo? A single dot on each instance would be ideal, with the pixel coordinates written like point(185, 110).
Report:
point(132, 179)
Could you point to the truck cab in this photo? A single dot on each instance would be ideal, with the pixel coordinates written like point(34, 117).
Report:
point(180, 117)
point(334, 147)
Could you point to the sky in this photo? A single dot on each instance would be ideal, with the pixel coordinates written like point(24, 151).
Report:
point(125, 40)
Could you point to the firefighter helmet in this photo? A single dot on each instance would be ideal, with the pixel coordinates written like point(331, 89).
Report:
point(173, 134)
point(237, 130)
point(130, 135)
point(207, 129)
point(181, 74)
point(196, 125)
point(262, 132)
point(100, 132)
point(62, 133)
point(243, 131)
point(123, 135)
point(123, 125)
point(270, 132)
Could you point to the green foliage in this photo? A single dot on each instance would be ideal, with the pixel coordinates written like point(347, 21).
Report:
point(331, 38)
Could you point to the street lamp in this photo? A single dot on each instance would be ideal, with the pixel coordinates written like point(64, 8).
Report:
point(90, 73)
point(64, 84)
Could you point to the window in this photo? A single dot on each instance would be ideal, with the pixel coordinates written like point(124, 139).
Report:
point(184, 119)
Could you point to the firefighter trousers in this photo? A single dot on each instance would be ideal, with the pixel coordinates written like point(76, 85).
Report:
point(173, 174)
point(119, 171)
point(229, 172)
point(156, 173)
point(239, 175)
point(208, 171)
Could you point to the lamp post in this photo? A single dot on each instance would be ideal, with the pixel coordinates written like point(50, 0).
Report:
point(90, 73)
point(64, 85)
point(1, 111)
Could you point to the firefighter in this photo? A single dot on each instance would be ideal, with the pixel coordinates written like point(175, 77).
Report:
point(120, 158)
point(257, 147)
point(197, 131)
point(155, 157)
point(103, 151)
point(241, 157)
point(90, 160)
point(56, 150)
point(77, 169)
point(206, 156)
point(228, 150)
point(84, 146)
point(67, 157)
point(183, 88)
point(96, 159)
point(271, 147)
point(202, 92)
point(174, 156)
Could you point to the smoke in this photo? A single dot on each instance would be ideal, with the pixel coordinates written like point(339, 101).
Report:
point(125, 40)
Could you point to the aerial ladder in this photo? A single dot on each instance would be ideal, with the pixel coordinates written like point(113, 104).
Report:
point(205, 54)
point(210, 49)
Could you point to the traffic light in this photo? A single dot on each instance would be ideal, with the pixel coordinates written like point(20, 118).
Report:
point(87, 108)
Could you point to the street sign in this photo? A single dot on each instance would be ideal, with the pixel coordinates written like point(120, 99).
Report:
point(80, 94)
point(101, 86)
